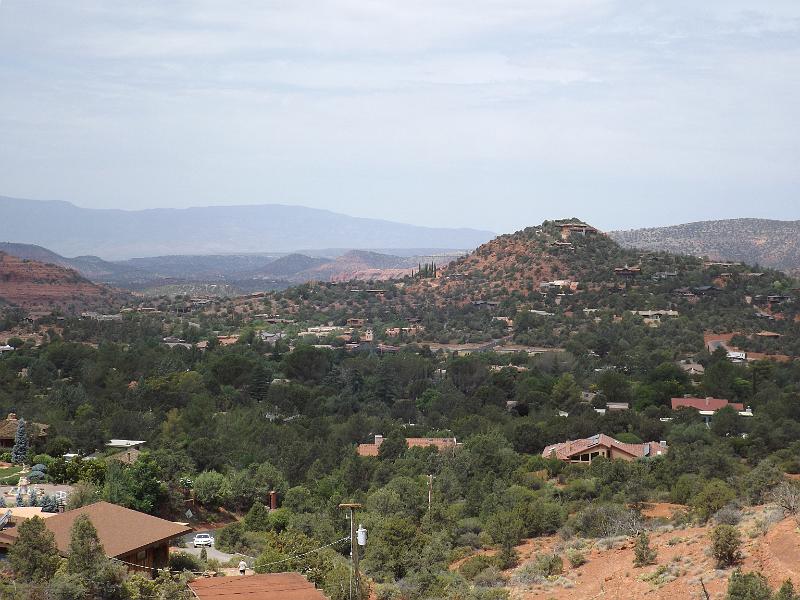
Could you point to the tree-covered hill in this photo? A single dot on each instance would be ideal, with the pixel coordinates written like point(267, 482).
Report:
point(766, 242)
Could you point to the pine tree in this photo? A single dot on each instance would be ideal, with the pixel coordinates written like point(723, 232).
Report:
point(86, 554)
point(34, 557)
point(643, 553)
point(19, 453)
point(786, 592)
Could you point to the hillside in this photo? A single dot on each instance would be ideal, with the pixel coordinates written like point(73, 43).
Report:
point(36, 285)
point(92, 267)
point(119, 234)
point(288, 266)
point(765, 242)
point(518, 263)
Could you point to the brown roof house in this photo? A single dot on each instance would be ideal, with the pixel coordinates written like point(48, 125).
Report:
point(269, 586)
point(8, 431)
point(138, 539)
point(586, 450)
point(440, 443)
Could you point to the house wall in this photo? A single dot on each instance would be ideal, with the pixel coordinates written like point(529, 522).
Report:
point(615, 453)
point(148, 560)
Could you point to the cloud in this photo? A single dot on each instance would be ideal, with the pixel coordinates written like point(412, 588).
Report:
point(380, 106)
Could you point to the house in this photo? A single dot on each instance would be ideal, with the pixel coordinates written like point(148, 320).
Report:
point(587, 449)
point(227, 340)
point(627, 272)
point(6, 348)
point(664, 275)
point(440, 443)
point(653, 317)
point(8, 431)
point(692, 368)
point(268, 586)
point(617, 406)
point(709, 403)
point(139, 540)
point(270, 337)
point(126, 457)
point(125, 444)
point(708, 406)
point(558, 284)
point(575, 227)
point(353, 322)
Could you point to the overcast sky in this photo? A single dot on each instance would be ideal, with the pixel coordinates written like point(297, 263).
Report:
point(493, 114)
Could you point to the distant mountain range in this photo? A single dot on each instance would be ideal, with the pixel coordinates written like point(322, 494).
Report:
point(269, 228)
point(231, 273)
point(764, 242)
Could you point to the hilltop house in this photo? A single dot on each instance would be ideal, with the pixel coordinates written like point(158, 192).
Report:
point(139, 540)
point(575, 227)
point(627, 272)
point(587, 449)
point(8, 431)
point(441, 444)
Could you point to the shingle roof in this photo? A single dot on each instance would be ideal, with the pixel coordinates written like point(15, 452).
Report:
point(119, 529)
point(568, 449)
point(8, 428)
point(269, 586)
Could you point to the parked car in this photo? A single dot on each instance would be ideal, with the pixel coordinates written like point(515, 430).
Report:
point(203, 539)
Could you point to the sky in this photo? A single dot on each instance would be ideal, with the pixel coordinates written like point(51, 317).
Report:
point(493, 114)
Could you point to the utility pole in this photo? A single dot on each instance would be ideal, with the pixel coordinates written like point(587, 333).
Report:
point(430, 491)
point(352, 507)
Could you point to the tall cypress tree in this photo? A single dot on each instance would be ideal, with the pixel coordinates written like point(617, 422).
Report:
point(19, 453)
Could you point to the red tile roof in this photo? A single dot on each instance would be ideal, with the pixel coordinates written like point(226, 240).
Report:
point(705, 403)
point(269, 586)
point(570, 448)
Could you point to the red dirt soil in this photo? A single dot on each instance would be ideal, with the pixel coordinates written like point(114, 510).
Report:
point(609, 573)
point(29, 284)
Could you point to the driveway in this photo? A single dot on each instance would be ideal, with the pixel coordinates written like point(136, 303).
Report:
point(212, 552)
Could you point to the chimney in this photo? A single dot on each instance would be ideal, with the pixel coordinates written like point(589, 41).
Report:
point(378, 439)
point(273, 500)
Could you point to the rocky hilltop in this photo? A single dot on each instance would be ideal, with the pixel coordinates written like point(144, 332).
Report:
point(568, 251)
point(32, 284)
point(765, 242)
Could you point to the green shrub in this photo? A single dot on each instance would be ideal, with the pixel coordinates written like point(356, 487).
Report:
point(183, 561)
point(549, 564)
point(726, 545)
point(475, 564)
point(643, 554)
point(576, 558)
point(748, 586)
point(714, 496)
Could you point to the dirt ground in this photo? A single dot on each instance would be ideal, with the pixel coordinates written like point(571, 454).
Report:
point(683, 561)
